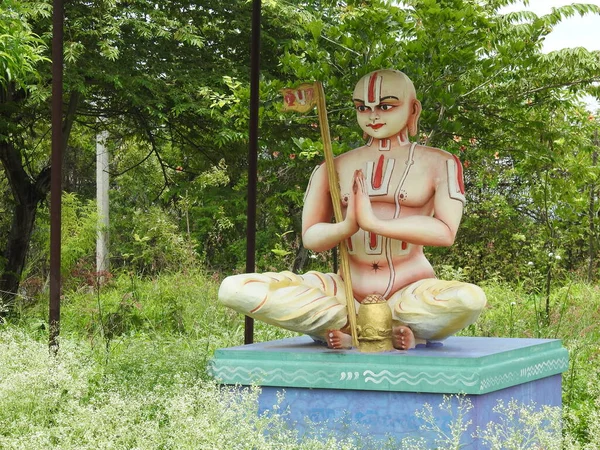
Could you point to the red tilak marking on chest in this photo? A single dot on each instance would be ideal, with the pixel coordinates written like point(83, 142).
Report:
point(378, 175)
point(372, 81)
point(372, 241)
point(404, 245)
point(459, 174)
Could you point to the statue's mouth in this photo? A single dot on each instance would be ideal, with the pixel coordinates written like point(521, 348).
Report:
point(376, 126)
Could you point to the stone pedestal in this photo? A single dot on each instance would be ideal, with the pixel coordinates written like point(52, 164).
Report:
point(378, 394)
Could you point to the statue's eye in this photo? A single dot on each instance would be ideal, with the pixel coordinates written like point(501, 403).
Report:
point(362, 108)
point(386, 107)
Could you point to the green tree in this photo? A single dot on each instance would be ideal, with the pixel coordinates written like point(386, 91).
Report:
point(490, 96)
point(170, 82)
point(21, 54)
point(152, 71)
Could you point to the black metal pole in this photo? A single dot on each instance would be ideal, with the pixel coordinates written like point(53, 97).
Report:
point(56, 172)
point(252, 157)
point(334, 252)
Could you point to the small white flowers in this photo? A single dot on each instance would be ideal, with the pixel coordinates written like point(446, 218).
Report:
point(513, 303)
point(530, 263)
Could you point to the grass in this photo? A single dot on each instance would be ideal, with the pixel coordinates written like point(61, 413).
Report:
point(76, 402)
point(131, 371)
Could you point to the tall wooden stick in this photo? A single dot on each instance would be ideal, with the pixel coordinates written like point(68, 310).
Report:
point(334, 189)
point(253, 156)
point(56, 174)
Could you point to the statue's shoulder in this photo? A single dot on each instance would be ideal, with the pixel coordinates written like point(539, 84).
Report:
point(434, 153)
point(352, 155)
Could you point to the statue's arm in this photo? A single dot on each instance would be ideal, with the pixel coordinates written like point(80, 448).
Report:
point(439, 230)
point(318, 233)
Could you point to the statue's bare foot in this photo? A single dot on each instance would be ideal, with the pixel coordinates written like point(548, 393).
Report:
point(337, 339)
point(403, 338)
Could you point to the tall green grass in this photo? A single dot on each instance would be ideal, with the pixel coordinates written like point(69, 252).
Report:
point(516, 311)
point(132, 368)
point(75, 402)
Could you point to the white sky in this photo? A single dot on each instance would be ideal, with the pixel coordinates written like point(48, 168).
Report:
point(576, 31)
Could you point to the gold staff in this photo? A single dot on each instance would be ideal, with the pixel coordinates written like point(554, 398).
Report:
point(303, 99)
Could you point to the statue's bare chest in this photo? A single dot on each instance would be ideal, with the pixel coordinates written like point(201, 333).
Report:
point(389, 178)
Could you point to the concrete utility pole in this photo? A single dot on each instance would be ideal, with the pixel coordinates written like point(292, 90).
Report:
point(593, 213)
point(102, 186)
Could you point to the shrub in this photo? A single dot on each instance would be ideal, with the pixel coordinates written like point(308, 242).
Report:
point(77, 401)
point(149, 242)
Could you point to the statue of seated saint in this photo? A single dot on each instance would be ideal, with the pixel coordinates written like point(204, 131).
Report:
point(397, 197)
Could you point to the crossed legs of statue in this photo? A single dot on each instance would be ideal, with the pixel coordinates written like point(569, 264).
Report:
point(311, 303)
point(428, 310)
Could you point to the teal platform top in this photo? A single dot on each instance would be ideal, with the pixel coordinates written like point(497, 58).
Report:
point(469, 365)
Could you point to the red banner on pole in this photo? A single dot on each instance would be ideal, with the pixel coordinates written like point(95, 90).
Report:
point(302, 98)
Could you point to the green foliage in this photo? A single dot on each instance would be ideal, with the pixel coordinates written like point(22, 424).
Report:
point(488, 94)
point(517, 311)
point(79, 227)
point(21, 50)
point(457, 409)
point(518, 428)
point(5, 206)
point(78, 245)
point(150, 242)
point(171, 85)
point(133, 374)
point(77, 402)
point(134, 355)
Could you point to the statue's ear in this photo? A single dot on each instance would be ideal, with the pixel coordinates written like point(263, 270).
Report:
point(413, 120)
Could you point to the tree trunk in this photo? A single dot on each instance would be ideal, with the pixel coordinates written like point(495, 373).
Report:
point(28, 191)
point(27, 195)
point(16, 251)
point(300, 259)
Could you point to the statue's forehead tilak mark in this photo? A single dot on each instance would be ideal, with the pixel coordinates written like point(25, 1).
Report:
point(382, 84)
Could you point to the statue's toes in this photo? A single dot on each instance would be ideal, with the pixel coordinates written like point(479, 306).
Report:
point(338, 340)
point(403, 338)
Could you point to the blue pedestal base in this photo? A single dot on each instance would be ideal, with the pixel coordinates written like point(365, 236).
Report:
point(383, 415)
point(377, 395)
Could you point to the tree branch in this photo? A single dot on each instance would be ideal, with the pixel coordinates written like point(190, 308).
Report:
point(70, 118)
point(557, 85)
point(137, 164)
